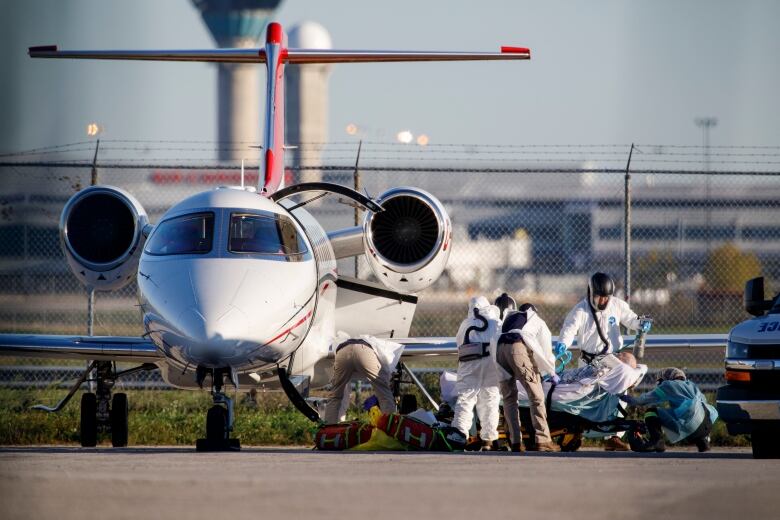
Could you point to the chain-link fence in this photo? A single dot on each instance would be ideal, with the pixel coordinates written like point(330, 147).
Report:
point(532, 221)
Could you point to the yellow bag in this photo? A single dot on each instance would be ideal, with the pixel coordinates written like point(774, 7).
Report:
point(379, 441)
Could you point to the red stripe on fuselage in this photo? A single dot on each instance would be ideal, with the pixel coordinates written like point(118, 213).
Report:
point(287, 331)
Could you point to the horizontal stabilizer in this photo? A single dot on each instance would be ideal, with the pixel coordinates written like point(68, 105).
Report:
point(209, 55)
point(342, 56)
point(290, 56)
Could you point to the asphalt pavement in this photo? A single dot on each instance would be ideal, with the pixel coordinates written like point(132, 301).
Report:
point(292, 483)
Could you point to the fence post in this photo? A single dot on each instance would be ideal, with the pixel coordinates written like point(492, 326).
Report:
point(94, 179)
point(91, 290)
point(356, 184)
point(627, 226)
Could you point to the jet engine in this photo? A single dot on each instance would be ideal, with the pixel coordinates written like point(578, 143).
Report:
point(102, 235)
point(407, 245)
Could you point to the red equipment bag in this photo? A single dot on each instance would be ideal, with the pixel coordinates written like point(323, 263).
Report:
point(342, 436)
point(410, 431)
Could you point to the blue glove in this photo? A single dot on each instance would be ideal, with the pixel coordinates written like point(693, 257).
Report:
point(630, 400)
point(370, 402)
point(562, 356)
point(646, 325)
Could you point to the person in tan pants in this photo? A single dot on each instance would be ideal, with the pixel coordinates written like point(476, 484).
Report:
point(357, 357)
point(517, 359)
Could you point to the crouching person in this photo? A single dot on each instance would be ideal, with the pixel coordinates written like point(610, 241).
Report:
point(477, 382)
point(524, 351)
point(688, 417)
point(365, 357)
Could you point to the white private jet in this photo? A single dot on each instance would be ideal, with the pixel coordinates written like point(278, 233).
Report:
point(241, 283)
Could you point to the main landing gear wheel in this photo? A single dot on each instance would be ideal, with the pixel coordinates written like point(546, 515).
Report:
point(119, 413)
point(88, 427)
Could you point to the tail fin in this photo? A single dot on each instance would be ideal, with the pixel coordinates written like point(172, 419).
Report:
point(275, 55)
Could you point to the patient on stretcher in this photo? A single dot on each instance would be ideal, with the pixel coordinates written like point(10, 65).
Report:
point(616, 373)
point(592, 391)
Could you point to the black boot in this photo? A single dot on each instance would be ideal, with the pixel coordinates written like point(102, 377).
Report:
point(656, 441)
point(517, 447)
point(703, 444)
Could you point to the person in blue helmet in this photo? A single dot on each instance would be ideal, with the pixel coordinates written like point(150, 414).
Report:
point(688, 416)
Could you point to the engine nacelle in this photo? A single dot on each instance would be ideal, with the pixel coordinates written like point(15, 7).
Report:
point(102, 235)
point(408, 244)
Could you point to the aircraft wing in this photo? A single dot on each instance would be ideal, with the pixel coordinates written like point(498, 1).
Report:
point(443, 346)
point(420, 347)
point(98, 348)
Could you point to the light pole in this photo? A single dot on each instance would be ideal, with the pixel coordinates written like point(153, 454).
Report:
point(707, 123)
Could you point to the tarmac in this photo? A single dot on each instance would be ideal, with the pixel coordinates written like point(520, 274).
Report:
point(292, 483)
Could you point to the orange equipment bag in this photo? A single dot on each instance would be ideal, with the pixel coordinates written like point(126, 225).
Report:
point(342, 436)
point(410, 431)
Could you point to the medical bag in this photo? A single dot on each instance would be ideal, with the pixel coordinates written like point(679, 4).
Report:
point(410, 431)
point(342, 436)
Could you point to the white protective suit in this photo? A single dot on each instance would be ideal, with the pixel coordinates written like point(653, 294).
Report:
point(478, 378)
point(579, 322)
point(536, 335)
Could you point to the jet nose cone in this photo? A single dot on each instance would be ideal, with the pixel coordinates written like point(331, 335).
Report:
point(213, 340)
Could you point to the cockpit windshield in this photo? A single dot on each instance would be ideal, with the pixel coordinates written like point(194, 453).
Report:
point(190, 234)
point(270, 234)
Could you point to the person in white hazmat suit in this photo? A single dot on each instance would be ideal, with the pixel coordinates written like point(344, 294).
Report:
point(595, 322)
point(523, 355)
point(477, 382)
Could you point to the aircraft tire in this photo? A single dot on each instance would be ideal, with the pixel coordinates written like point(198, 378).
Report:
point(119, 413)
point(764, 442)
point(216, 424)
point(88, 425)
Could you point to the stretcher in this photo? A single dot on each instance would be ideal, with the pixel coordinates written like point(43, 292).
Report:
point(590, 405)
point(568, 430)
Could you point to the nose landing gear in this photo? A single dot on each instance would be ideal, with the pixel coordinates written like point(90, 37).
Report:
point(219, 419)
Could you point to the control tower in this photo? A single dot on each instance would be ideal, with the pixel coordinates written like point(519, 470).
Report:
point(237, 23)
point(307, 101)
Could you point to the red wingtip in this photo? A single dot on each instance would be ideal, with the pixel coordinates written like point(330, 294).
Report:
point(274, 33)
point(516, 50)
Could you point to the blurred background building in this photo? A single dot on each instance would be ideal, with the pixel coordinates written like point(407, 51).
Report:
point(237, 24)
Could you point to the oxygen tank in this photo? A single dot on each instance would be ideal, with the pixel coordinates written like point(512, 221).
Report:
point(641, 337)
